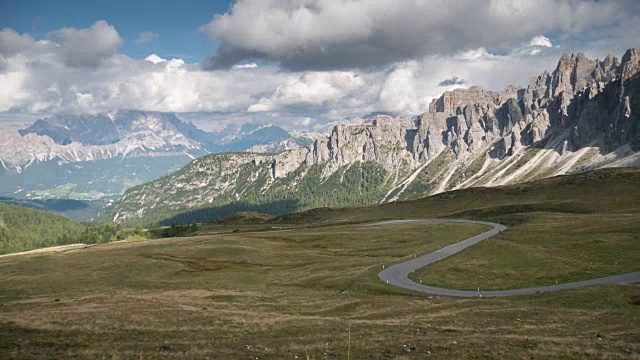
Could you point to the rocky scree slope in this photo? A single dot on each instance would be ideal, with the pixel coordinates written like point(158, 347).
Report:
point(584, 115)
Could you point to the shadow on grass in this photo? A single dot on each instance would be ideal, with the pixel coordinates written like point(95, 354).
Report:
point(570, 207)
point(209, 214)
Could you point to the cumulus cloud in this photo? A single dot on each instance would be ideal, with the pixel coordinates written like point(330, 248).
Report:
point(400, 91)
point(540, 40)
point(311, 89)
point(146, 37)
point(329, 34)
point(11, 42)
point(45, 77)
point(536, 45)
point(88, 47)
point(81, 70)
point(154, 59)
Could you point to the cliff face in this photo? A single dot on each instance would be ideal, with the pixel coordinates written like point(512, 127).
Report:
point(582, 103)
point(584, 115)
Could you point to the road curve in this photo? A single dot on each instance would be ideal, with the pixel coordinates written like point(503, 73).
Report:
point(398, 274)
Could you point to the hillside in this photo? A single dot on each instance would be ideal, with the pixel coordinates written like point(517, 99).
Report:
point(359, 184)
point(606, 191)
point(579, 117)
point(24, 229)
point(306, 284)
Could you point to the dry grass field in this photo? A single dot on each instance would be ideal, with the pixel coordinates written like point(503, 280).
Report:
point(265, 292)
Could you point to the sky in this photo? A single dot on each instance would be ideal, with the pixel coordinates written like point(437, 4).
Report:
point(297, 63)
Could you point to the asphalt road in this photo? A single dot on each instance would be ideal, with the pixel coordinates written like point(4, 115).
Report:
point(398, 274)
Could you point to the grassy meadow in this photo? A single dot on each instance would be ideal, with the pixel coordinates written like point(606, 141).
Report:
point(291, 287)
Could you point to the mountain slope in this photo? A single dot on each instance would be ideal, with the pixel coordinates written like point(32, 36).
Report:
point(26, 229)
point(603, 191)
point(247, 183)
point(580, 117)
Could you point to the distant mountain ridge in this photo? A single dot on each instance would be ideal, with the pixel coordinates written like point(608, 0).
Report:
point(96, 137)
point(292, 143)
point(122, 148)
point(582, 116)
point(112, 127)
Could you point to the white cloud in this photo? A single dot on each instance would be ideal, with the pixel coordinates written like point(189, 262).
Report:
point(155, 59)
point(41, 77)
point(12, 90)
point(53, 75)
point(536, 45)
point(11, 42)
point(400, 91)
point(88, 47)
point(540, 40)
point(473, 54)
point(326, 34)
point(312, 88)
point(246, 66)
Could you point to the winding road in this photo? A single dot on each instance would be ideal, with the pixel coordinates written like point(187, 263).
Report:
point(398, 274)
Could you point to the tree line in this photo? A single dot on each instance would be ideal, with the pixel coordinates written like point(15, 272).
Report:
point(24, 229)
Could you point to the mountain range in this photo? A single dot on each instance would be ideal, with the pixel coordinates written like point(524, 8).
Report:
point(584, 115)
point(94, 156)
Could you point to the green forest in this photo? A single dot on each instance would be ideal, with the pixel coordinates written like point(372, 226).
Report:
point(24, 229)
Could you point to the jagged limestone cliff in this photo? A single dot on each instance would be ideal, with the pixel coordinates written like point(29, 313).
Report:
point(582, 116)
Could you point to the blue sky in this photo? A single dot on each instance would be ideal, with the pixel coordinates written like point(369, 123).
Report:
point(176, 22)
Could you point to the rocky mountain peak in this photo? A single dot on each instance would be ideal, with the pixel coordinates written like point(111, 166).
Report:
point(610, 62)
point(633, 53)
point(110, 128)
point(574, 72)
point(119, 134)
point(630, 66)
point(453, 102)
point(87, 129)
